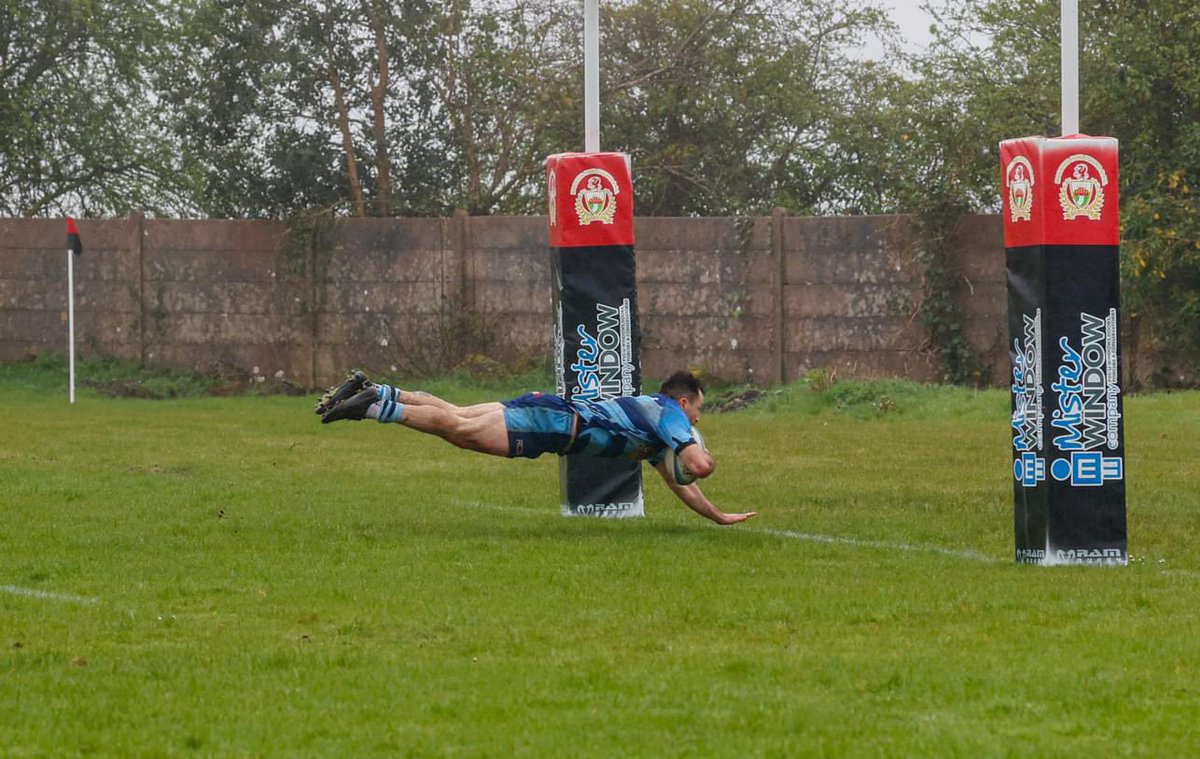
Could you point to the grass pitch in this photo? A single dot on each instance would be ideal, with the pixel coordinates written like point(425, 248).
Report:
point(226, 577)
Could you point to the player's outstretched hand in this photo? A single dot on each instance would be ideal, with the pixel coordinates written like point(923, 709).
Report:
point(728, 519)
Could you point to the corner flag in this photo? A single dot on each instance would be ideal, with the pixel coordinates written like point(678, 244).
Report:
point(74, 244)
point(74, 248)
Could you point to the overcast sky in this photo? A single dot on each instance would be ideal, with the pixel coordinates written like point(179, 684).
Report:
point(913, 23)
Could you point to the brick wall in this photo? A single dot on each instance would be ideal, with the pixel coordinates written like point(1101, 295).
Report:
point(759, 299)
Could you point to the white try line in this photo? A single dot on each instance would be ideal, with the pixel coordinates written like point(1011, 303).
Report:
point(526, 510)
point(875, 544)
point(807, 537)
point(1191, 575)
point(47, 595)
point(879, 545)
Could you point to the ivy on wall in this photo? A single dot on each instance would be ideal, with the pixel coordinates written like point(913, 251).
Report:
point(934, 225)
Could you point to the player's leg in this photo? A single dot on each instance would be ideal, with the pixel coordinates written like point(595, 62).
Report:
point(527, 426)
point(480, 409)
point(422, 398)
point(484, 433)
point(522, 427)
point(357, 381)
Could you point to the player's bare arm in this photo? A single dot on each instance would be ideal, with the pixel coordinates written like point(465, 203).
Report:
point(694, 498)
point(697, 460)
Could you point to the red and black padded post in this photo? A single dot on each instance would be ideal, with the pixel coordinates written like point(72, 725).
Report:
point(1062, 244)
point(597, 341)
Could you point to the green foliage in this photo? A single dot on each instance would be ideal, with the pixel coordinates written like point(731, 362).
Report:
point(726, 107)
point(731, 108)
point(939, 309)
point(510, 96)
point(1161, 261)
point(994, 74)
point(225, 576)
point(79, 125)
point(255, 107)
point(822, 393)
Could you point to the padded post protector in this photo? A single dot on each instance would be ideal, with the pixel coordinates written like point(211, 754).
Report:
point(597, 341)
point(1062, 245)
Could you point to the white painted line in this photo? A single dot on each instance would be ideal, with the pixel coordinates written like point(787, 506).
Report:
point(526, 510)
point(879, 545)
point(1181, 573)
point(792, 535)
point(47, 595)
point(876, 544)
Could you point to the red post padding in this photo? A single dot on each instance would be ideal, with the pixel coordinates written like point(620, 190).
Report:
point(590, 200)
point(1060, 191)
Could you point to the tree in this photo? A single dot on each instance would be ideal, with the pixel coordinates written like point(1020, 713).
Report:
point(508, 95)
point(1154, 108)
point(995, 64)
point(281, 107)
point(728, 105)
point(244, 152)
point(366, 107)
point(80, 131)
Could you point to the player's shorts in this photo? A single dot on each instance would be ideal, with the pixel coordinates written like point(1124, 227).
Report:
point(538, 424)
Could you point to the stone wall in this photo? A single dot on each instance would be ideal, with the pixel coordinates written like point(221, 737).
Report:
point(762, 299)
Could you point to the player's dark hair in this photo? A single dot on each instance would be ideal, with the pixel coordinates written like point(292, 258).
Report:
point(681, 385)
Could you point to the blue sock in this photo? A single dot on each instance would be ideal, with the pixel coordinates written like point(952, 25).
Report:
point(391, 412)
point(387, 409)
point(388, 393)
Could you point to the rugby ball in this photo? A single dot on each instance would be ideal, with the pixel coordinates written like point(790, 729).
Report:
point(675, 464)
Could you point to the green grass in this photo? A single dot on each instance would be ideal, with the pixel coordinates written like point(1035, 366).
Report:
point(224, 576)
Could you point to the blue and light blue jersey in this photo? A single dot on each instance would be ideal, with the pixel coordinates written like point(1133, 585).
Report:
point(635, 427)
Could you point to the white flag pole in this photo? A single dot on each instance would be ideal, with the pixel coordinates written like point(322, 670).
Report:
point(591, 76)
point(1069, 17)
point(71, 318)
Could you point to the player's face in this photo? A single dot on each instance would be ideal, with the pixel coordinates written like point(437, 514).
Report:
point(692, 407)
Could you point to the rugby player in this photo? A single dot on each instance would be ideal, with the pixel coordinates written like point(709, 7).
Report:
point(637, 427)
